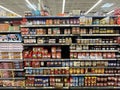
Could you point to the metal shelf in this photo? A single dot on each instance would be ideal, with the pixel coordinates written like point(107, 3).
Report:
point(84, 59)
point(11, 69)
point(94, 67)
point(45, 25)
point(106, 87)
point(117, 74)
point(4, 87)
point(47, 75)
point(19, 78)
point(64, 17)
point(47, 68)
point(95, 25)
point(46, 88)
point(11, 60)
point(94, 59)
point(69, 25)
point(100, 35)
point(43, 44)
point(92, 74)
point(97, 44)
point(53, 17)
point(66, 44)
point(46, 59)
point(5, 60)
point(1, 32)
point(93, 50)
point(11, 42)
point(46, 35)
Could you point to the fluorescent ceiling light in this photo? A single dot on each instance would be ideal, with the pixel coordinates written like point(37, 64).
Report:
point(93, 7)
point(10, 11)
point(110, 12)
point(30, 4)
point(107, 5)
point(63, 6)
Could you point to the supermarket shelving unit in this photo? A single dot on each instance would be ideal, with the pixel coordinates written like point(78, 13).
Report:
point(81, 36)
point(67, 59)
point(8, 47)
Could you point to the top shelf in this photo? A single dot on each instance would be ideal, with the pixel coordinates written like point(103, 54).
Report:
point(70, 25)
point(47, 17)
point(59, 17)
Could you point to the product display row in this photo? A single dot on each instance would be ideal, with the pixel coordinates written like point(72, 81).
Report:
point(11, 65)
point(80, 64)
point(33, 40)
point(11, 74)
point(93, 55)
point(10, 51)
point(69, 40)
point(63, 82)
point(51, 21)
point(93, 63)
point(10, 38)
point(100, 81)
point(4, 27)
point(82, 21)
point(41, 52)
point(86, 47)
point(65, 31)
point(94, 30)
point(98, 41)
point(70, 71)
point(87, 81)
point(53, 63)
point(11, 55)
point(47, 82)
point(93, 71)
point(46, 71)
point(12, 83)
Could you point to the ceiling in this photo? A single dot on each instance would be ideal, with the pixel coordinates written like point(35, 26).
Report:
point(19, 6)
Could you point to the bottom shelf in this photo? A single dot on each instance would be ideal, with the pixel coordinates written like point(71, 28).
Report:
point(73, 88)
point(12, 88)
point(47, 88)
point(61, 88)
